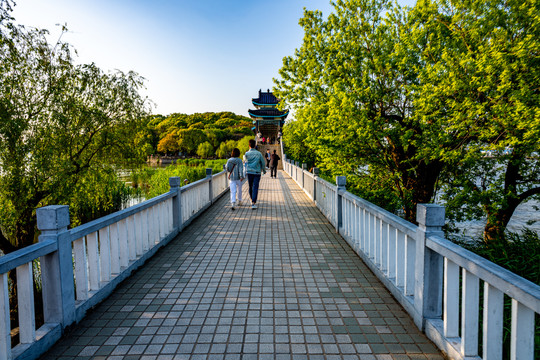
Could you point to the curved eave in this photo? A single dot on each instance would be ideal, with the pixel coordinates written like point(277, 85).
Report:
point(269, 116)
point(263, 104)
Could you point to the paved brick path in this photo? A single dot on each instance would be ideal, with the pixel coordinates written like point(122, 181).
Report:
point(271, 283)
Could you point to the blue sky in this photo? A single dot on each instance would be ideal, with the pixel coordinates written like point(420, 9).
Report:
point(197, 55)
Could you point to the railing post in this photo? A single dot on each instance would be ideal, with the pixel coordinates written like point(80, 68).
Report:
point(174, 183)
point(341, 181)
point(210, 190)
point(57, 268)
point(315, 176)
point(304, 167)
point(428, 288)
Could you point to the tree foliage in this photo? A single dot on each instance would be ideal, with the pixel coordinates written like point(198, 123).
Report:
point(416, 96)
point(59, 123)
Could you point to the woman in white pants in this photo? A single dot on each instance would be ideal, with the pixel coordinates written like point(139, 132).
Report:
point(235, 167)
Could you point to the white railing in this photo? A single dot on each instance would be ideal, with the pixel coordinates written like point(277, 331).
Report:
point(436, 281)
point(81, 266)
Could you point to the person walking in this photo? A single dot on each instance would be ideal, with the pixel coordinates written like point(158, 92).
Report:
point(254, 166)
point(274, 159)
point(268, 157)
point(235, 167)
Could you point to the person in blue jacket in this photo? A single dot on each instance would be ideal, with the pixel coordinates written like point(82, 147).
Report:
point(255, 164)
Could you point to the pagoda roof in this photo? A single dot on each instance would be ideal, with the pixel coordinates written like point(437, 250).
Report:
point(268, 113)
point(265, 98)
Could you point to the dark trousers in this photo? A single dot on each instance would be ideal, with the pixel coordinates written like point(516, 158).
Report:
point(273, 171)
point(253, 182)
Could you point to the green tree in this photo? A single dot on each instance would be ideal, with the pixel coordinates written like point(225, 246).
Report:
point(189, 139)
point(484, 83)
point(243, 145)
point(169, 144)
point(59, 122)
point(205, 150)
point(225, 149)
point(351, 90)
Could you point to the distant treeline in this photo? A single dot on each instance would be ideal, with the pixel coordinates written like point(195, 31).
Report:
point(206, 135)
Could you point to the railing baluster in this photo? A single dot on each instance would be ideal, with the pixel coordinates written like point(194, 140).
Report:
point(5, 324)
point(25, 300)
point(81, 269)
point(522, 333)
point(400, 258)
point(384, 247)
point(144, 224)
point(130, 227)
point(123, 248)
point(138, 234)
point(410, 268)
point(115, 249)
point(93, 260)
point(493, 323)
point(391, 257)
point(469, 314)
point(451, 299)
point(104, 254)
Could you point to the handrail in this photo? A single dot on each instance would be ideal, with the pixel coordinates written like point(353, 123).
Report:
point(426, 273)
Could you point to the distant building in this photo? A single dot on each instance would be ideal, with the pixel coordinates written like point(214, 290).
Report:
point(268, 120)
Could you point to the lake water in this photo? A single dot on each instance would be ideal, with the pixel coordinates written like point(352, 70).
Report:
point(524, 214)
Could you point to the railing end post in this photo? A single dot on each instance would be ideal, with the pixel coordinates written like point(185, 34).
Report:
point(174, 182)
point(430, 217)
point(428, 289)
point(52, 219)
point(57, 268)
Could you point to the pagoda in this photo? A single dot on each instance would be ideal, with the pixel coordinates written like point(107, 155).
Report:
point(268, 120)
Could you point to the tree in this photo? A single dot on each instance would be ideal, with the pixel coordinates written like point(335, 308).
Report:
point(351, 89)
point(205, 150)
point(225, 149)
point(416, 94)
point(189, 139)
point(59, 122)
point(169, 144)
point(485, 85)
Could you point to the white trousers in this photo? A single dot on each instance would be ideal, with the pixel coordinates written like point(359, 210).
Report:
point(236, 187)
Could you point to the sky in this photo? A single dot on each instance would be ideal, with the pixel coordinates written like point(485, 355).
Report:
point(196, 55)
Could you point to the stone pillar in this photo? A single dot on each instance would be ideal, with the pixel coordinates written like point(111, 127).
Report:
point(304, 167)
point(174, 183)
point(341, 181)
point(428, 289)
point(210, 190)
point(315, 176)
point(57, 268)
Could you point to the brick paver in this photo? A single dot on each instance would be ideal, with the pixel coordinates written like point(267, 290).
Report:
point(271, 283)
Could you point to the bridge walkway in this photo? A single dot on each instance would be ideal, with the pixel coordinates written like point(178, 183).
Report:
point(271, 283)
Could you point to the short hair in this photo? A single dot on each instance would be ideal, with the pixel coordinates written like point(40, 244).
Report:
point(235, 152)
point(252, 143)
point(274, 151)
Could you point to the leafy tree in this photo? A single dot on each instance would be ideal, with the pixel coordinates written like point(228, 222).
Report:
point(205, 150)
point(59, 123)
point(484, 83)
point(243, 145)
point(350, 87)
point(189, 139)
point(419, 94)
point(215, 136)
point(225, 149)
point(169, 144)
